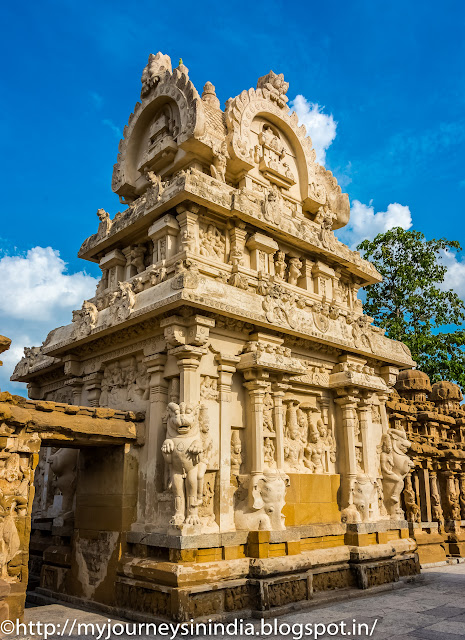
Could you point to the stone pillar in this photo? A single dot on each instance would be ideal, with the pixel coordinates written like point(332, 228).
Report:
point(152, 482)
point(383, 398)
point(366, 432)
point(278, 390)
point(93, 388)
point(163, 234)
point(259, 244)
point(462, 494)
point(76, 385)
point(256, 393)
point(115, 262)
point(425, 494)
point(189, 358)
point(306, 279)
point(226, 369)
point(348, 404)
point(436, 507)
point(323, 280)
point(189, 228)
point(237, 235)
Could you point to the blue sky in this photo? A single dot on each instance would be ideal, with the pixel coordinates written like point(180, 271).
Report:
point(387, 80)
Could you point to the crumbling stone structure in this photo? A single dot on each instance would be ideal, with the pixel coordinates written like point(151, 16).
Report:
point(227, 312)
point(434, 493)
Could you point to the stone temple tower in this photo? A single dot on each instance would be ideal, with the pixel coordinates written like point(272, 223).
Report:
point(227, 314)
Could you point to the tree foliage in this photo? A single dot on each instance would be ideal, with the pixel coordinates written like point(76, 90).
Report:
point(411, 303)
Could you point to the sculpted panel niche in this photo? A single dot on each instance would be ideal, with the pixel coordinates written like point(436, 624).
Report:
point(125, 385)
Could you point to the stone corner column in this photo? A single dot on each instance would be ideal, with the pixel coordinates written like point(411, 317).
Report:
point(226, 368)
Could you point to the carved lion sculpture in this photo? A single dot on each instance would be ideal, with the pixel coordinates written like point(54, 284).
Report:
point(63, 463)
point(261, 509)
point(181, 451)
point(395, 464)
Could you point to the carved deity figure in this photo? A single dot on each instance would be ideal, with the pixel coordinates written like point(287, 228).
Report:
point(236, 453)
point(272, 208)
point(295, 270)
point(294, 444)
point(412, 510)
point(209, 388)
point(280, 265)
point(268, 452)
point(268, 404)
point(212, 243)
point(395, 464)
point(181, 451)
point(260, 509)
point(436, 507)
point(207, 451)
point(453, 501)
point(124, 302)
point(220, 159)
point(155, 190)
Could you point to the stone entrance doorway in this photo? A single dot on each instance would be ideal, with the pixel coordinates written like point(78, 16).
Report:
point(101, 476)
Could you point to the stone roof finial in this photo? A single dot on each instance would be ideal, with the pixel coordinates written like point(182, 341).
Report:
point(209, 96)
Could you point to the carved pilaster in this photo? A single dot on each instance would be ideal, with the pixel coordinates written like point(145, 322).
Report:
point(189, 358)
point(366, 433)
point(278, 390)
point(153, 479)
point(115, 262)
point(256, 393)
point(226, 369)
point(348, 403)
point(189, 227)
point(94, 388)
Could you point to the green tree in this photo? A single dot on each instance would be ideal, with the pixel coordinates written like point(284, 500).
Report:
point(411, 304)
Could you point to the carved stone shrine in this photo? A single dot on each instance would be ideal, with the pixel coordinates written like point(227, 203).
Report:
point(269, 472)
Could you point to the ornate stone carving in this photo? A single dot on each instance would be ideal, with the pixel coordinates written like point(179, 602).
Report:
point(295, 270)
point(212, 243)
point(277, 87)
point(84, 319)
point(156, 67)
point(105, 224)
point(209, 388)
point(186, 275)
point(182, 450)
point(412, 510)
point(395, 464)
point(260, 509)
point(220, 159)
point(124, 386)
point(236, 453)
point(122, 302)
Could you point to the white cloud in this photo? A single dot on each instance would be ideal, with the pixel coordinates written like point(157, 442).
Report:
point(455, 276)
point(116, 130)
point(320, 126)
point(37, 295)
point(365, 223)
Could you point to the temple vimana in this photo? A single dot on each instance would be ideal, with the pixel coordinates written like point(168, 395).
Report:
point(221, 431)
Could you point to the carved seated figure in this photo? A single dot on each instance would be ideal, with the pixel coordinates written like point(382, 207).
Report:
point(260, 509)
point(181, 451)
